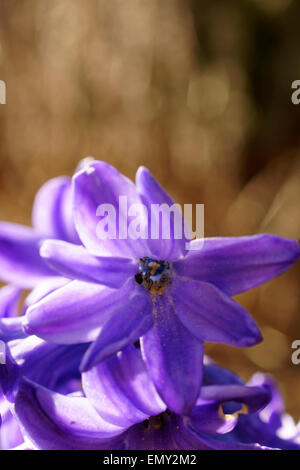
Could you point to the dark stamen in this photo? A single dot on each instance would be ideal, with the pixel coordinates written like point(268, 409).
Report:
point(153, 274)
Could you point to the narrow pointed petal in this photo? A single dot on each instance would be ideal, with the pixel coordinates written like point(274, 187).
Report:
point(211, 315)
point(238, 264)
point(120, 389)
point(174, 358)
point(52, 215)
point(20, 261)
point(174, 245)
point(57, 422)
point(76, 312)
point(99, 183)
point(75, 262)
point(129, 321)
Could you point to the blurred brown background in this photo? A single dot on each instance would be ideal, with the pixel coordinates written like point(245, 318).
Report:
point(199, 91)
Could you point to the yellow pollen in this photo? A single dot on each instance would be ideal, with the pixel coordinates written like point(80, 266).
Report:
point(244, 410)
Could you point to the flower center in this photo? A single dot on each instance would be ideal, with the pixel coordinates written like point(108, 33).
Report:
point(156, 422)
point(153, 274)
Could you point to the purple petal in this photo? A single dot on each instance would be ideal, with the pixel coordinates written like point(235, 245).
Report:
point(53, 421)
point(211, 315)
point(255, 398)
point(150, 436)
point(20, 261)
point(99, 183)
point(174, 358)
point(11, 328)
point(9, 376)
point(10, 433)
point(120, 389)
point(10, 324)
point(253, 429)
point(44, 288)
point(206, 417)
point(75, 262)
point(9, 298)
point(151, 194)
point(76, 312)
point(274, 411)
point(215, 443)
point(217, 375)
point(238, 264)
point(129, 321)
point(52, 214)
point(184, 437)
point(49, 364)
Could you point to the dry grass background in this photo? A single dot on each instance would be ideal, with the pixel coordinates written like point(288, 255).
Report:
point(198, 91)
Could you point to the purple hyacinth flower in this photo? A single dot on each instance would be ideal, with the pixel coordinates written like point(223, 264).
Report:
point(20, 260)
point(272, 426)
point(51, 365)
point(118, 406)
point(154, 289)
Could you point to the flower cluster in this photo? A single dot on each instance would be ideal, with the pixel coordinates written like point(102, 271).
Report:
point(106, 350)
